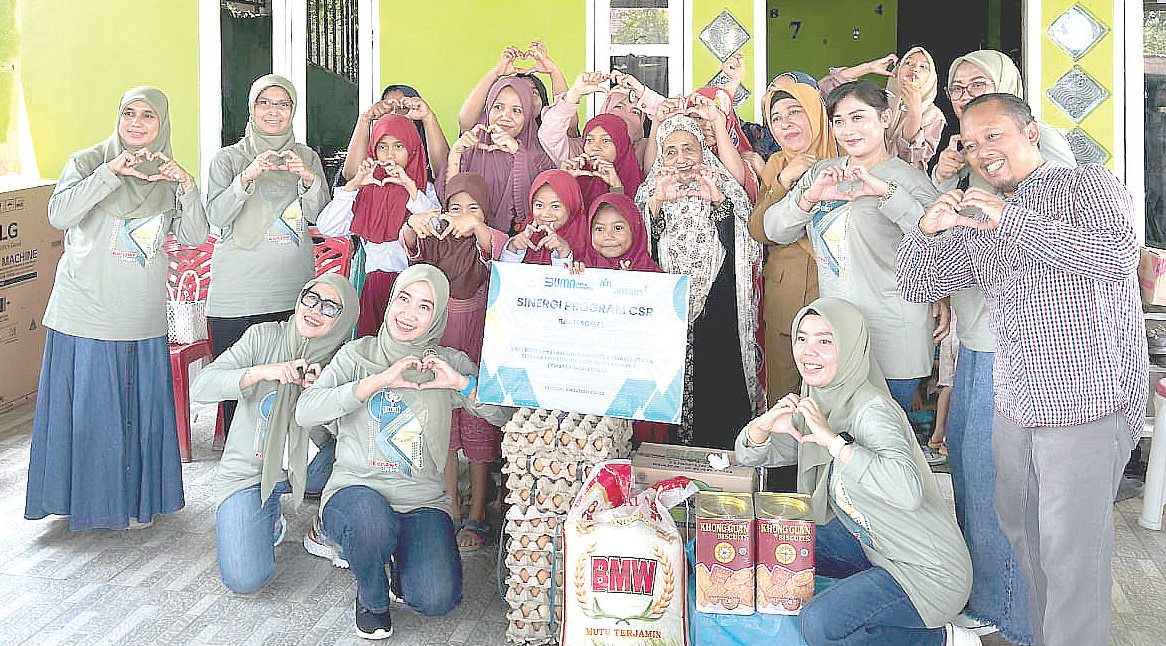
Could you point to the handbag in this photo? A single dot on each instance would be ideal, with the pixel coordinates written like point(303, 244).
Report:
point(185, 312)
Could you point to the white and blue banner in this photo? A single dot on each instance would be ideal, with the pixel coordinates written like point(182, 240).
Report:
point(603, 342)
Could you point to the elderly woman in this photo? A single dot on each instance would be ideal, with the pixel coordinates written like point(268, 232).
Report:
point(698, 215)
point(104, 440)
point(266, 370)
point(387, 500)
point(883, 526)
point(262, 192)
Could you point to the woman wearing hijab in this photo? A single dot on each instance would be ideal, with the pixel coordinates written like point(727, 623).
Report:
point(855, 210)
point(389, 185)
point(556, 230)
point(796, 118)
point(262, 193)
point(463, 253)
point(916, 123)
point(503, 148)
point(999, 598)
point(883, 527)
point(104, 440)
point(697, 215)
point(386, 501)
point(557, 121)
point(266, 370)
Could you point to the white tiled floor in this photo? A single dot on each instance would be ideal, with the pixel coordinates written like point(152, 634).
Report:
point(161, 585)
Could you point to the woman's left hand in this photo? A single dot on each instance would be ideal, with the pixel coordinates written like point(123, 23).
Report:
point(605, 171)
point(444, 375)
point(870, 185)
point(707, 188)
point(395, 174)
point(819, 430)
point(296, 165)
point(171, 170)
point(554, 242)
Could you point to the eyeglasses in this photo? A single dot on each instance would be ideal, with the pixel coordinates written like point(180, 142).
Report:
point(265, 103)
point(973, 89)
point(311, 300)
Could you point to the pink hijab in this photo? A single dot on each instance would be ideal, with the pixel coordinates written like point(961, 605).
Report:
point(637, 255)
point(618, 95)
point(576, 231)
point(508, 177)
point(626, 164)
point(379, 211)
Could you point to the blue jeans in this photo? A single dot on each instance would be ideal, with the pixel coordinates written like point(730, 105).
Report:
point(245, 527)
point(999, 593)
point(903, 391)
point(419, 544)
point(866, 607)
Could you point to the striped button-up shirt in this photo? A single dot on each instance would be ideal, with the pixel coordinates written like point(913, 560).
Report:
point(1059, 277)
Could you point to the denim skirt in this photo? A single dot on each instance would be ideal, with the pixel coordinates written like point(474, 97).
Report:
point(104, 441)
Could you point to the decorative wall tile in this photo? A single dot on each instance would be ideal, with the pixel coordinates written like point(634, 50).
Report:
point(1085, 148)
point(742, 94)
point(724, 36)
point(1077, 94)
point(1076, 31)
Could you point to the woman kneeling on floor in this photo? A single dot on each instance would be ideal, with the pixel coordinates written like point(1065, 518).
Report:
point(386, 502)
point(266, 370)
point(882, 526)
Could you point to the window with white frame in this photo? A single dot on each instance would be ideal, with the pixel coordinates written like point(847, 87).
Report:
point(644, 38)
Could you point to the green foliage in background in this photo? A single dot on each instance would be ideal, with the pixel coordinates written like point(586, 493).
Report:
point(1154, 33)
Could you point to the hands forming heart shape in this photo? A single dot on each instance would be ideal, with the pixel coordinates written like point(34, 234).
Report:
point(580, 166)
point(128, 161)
point(427, 373)
point(845, 184)
point(494, 137)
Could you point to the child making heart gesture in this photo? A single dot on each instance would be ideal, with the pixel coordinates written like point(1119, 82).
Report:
point(389, 184)
point(556, 228)
point(503, 148)
point(459, 243)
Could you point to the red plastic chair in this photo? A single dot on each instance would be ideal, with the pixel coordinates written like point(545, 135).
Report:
point(332, 254)
point(197, 259)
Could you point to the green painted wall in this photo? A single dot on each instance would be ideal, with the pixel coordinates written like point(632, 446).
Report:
point(78, 58)
point(704, 64)
point(444, 47)
point(824, 38)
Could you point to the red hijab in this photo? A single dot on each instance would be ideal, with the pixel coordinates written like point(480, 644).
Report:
point(379, 211)
point(627, 166)
point(508, 176)
point(637, 254)
point(575, 231)
point(724, 103)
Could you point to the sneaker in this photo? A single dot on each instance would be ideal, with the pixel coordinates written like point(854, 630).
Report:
point(978, 626)
point(280, 530)
point(317, 543)
point(956, 636)
point(378, 625)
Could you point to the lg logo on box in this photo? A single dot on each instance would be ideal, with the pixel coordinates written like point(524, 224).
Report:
point(8, 232)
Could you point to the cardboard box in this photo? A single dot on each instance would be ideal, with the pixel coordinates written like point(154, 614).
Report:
point(29, 250)
point(1152, 275)
point(655, 462)
point(652, 463)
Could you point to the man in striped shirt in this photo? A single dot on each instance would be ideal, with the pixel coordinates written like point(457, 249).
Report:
point(1056, 258)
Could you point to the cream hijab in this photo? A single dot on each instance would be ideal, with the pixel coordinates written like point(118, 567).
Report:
point(134, 197)
point(929, 86)
point(857, 380)
point(273, 190)
point(282, 423)
point(996, 66)
point(376, 353)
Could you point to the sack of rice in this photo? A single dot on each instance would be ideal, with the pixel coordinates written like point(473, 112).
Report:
point(624, 562)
